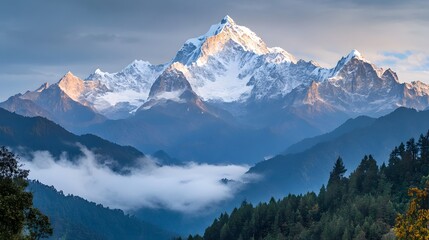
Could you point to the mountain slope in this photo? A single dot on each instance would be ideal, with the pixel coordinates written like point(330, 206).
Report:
point(346, 127)
point(73, 217)
point(29, 134)
point(189, 133)
point(304, 171)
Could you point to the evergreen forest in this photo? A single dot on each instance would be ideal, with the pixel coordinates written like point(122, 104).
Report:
point(361, 205)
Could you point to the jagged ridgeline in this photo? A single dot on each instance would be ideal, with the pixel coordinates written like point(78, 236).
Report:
point(362, 205)
point(222, 88)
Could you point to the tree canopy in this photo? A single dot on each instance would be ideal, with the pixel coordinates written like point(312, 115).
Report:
point(363, 205)
point(19, 219)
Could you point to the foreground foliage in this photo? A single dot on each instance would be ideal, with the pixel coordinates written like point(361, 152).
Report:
point(414, 224)
point(19, 219)
point(363, 205)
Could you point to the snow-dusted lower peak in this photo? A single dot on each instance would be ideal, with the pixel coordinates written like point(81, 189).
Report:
point(351, 58)
point(170, 84)
point(70, 85)
point(129, 87)
point(139, 76)
point(279, 55)
point(73, 86)
point(419, 88)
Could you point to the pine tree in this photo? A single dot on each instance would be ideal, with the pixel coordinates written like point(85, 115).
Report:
point(336, 184)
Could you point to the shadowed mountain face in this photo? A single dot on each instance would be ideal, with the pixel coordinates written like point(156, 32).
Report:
point(307, 164)
point(348, 126)
point(28, 134)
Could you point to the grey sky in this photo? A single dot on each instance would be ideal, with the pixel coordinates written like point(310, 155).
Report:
point(41, 40)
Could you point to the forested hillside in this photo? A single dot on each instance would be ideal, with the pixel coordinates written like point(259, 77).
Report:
point(75, 218)
point(28, 134)
point(363, 205)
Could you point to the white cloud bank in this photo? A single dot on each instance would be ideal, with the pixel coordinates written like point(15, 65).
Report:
point(189, 188)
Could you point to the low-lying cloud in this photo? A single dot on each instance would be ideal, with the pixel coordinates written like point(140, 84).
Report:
point(188, 188)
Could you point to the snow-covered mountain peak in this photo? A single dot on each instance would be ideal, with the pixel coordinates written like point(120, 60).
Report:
point(69, 79)
point(215, 29)
point(420, 88)
point(350, 59)
point(227, 20)
point(99, 71)
point(354, 54)
point(216, 39)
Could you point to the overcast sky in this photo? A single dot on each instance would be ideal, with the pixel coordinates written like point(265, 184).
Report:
point(41, 40)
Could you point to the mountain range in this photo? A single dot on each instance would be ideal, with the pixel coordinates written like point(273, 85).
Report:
point(224, 88)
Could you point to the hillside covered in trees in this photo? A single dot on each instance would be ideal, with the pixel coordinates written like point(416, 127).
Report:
point(73, 217)
point(363, 205)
